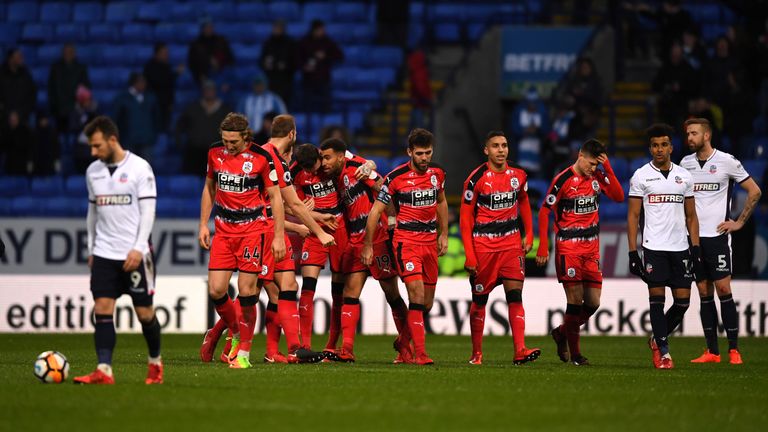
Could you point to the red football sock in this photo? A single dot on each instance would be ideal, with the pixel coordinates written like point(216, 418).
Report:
point(335, 322)
point(477, 326)
point(288, 312)
point(228, 314)
point(400, 316)
point(219, 327)
point(273, 329)
point(571, 324)
point(306, 316)
point(416, 326)
point(350, 316)
point(247, 321)
point(517, 322)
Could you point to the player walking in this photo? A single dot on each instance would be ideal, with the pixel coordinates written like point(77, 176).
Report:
point(714, 173)
point(574, 199)
point(495, 201)
point(663, 192)
point(121, 212)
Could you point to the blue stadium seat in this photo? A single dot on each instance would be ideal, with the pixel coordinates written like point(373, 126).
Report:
point(5, 207)
point(704, 13)
point(247, 33)
point(710, 32)
point(253, 12)
point(620, 168)
point(23, 12)
point(756, 168)
point(11, 186)
point(383, 164)
point(186, 82)
point(447, 32)
point(223, 11)
point(64, 206)
point(87, 12)
point(104, 32)
point(101, 77)
point(417, 10)
point(166, 165)
point(356, 55)
point(288, 11)
point(163, 183)
point(137, 32)
point(116, 56)
point(185, 186)
point(447, 13)
point(363, 32)
point(185, 11)
point(248, 53)
point(386, 56)
point(141, 54)
point(636, 163)
point(58, 12)
point(342, 77)
point(34, 32)
point(332, 119)
point(91, 54)
point(351, 12)
point(75, 186)
point(121, 11)
point(318, 10)
point(71, 32)
point(540, 186)
point(9, 34)
point(154, 11)
point(176, 32)
point(178, 208)
point(28, 206)
point(340, 33)
point(355, 120)
point(479, 13)
point(612, 211)
point(298, 29)
point(475, 31)
point(177, 53)
point(163, 146)
point(47, 54)
point(399, 160)
point(47, 186)
point(40, 74)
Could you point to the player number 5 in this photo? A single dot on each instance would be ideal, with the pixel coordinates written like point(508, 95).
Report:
point(721, 263)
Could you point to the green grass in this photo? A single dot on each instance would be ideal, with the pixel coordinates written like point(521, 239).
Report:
point(621, 390)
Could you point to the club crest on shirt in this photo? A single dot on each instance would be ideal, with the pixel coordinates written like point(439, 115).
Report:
point(595, 185)
point(514, 182)
point(713, 169)
point(247, 167)
point(346, 181)
point(433, 180)
point(678, 179)
point(123, 177)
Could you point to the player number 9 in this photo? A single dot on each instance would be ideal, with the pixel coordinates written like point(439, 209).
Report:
point(135, 278)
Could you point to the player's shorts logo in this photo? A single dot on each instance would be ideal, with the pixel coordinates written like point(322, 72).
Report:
point(596, 185)
point(468, 195)
point(514, 182)
point(346, 181)
point(305, 255)
point(571, 272)
point(433, 180)
point(264, 269)
point(649, 268)
point(409, 266)
point(479, 288)
point(551, 199)
point(247, 167)
point(678, 179)
point(713, 169)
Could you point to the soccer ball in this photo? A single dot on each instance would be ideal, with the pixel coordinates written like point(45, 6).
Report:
point(51, 367)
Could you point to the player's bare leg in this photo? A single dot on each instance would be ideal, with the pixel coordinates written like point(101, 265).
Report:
point(350, 314)
point(514, 293)
point(400, 315)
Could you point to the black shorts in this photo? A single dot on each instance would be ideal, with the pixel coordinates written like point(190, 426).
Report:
point(716, 257)
point(109, 280)
point(664, 268)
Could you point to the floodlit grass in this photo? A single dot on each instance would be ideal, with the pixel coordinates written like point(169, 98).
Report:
point(620, 391)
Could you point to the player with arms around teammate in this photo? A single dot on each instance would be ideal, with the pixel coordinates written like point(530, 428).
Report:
point(237, 174)
point(575, 198)
point(714, 173)
point(663, 192)
point(121, 212)
point(494, 202)
point(417, 191)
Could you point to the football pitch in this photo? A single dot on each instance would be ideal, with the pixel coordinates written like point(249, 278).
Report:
point(620, 390)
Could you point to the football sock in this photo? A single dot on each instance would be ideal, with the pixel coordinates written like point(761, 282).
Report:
point(516, 318)
point(477, 325)
point(659, 323)
point(247, 323)
point(307, 310)
point(288, 311)
point(350, 315)
point(219, 327)
point(571, 324)
point(226, 310)
point(104, 337)
point(675, 314)
point(400, 316)
point(730, 320)
point(416, 326)
point(151, 331)
point(708, 315)
point(586, 313)
point(273, 328)
point(337, 289)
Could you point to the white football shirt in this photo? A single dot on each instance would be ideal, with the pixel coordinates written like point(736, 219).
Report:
point(663, 214)
point(116, 196)
point(713, 187)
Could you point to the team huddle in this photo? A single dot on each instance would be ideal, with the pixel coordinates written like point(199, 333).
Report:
point(396, 226)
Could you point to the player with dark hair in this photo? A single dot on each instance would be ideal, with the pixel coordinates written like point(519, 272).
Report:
point(714, 173)
point(121, 212)
point(663, 192)
point(495, 199)
point(416, 189)
point(358, 197)
point(574, 199)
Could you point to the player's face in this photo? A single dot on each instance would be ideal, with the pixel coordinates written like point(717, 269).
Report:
point(696, 137)
point(233, 141)
point(101, 148)
point(331, 161)
point(661, 150)
point(587, 163)
point(420, 158)
point(497, 150)
point(316, 167)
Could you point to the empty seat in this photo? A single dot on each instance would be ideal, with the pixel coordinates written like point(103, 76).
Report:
point(136, 32)
point(184, 11)
point(153, 11)
point(704, 13)
point(6, 208)
point(447, 32)
point(612, 211)
point(47, 54)
point(756, 168)
point(66, 207)
point(288, 11)
point(363, 33)
point(318, 11)
point(75, 186)
point(176, 32)
point(23, 12)
point(620, 168)
point(47, 186)
point(11, 186)
point(28, 206)
point(635, 164)
point(386, 56)
point(71, 32)
point(121, 11)
point(248, 53)
point(447, 13)
point(351, 12)
point(224, 11)
point(185, 186)
point(55, 12)
point(104, 32)
point(253, 12)
point(9, 34)
point(37, 32)
point(91, 54)
point(87, 12)
point(475, 30)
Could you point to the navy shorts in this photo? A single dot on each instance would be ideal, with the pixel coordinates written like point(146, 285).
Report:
point(716, 257)
point(109, 280)
point(666, 268)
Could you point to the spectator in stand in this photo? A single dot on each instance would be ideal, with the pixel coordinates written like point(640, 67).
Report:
point(209, 53)
point(86, 109)
point(161, 80)
point(18, 91)
point(17, 142)
point(316, 55)
point(392, 22)
point(529, 125)
point(693, 51)
point(671, 18)
point(198, 127)
point(66, 74)
point(47, 152)
point(762, 79)
point(676, 83)
point(421, 89)
point(718, 70)
point(559, 141)
point(259, 102)
point(278, 61)
point(336, 132)
point(137, 116)
point(265, 133)
point(586, 89)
